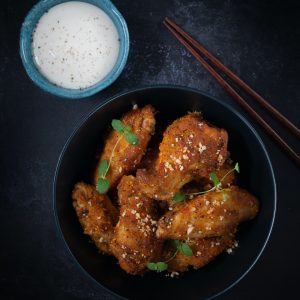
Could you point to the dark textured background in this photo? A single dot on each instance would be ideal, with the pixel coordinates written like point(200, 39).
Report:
point(259, 40)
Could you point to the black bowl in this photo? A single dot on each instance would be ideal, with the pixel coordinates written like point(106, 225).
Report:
point(78, 160)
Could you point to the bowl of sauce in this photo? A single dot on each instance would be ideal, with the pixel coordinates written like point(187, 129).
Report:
point(74, 49)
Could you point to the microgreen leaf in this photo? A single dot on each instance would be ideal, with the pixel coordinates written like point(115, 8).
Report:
point(186, 249)
point(131, 138)
point(176, 243)
point(117, 125)
point(158, 266)
point(128, 128)
point(102, 185)
point(179, 197)
point(161, 266)
point(103, 168)
point(152, 266)
point(214, 178)
point(237, 167)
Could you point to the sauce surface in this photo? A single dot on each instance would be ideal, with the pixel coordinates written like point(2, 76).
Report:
point(75, 45)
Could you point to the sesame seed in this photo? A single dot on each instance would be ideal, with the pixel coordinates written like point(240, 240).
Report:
point(220, 158)
point(210, 210)
point(201, 148)
point(190, 229)
point(229, 250)
point(173, 274)
point(178, 161)
point(168, 166)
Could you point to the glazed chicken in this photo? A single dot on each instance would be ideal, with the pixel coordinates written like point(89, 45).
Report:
point(190, 149)
point(127, 156)
point(96, 214)
point(134, 241)
point(204, 251)
point(212, 214)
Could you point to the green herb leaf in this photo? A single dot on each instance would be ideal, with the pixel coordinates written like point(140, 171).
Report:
point(179, 197)
point(176, 243)
point(102, 185)
point(214, 178)
point(117, 125)
point(131, 138)
point(103, 168)
point(152, 266)
point(237, 167)
point(128, 128)
point(186, 249)
point(161, 266)
point(158, 266)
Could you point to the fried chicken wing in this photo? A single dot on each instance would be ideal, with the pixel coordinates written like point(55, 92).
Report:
point(204, 251)
point(205, 183)
point(134, 242)
point(190, 149)
point(229, 180)
point(96, 214)
point(127, 156)
point(212, 214)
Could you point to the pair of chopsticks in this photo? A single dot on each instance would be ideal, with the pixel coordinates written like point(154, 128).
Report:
point(196, 49)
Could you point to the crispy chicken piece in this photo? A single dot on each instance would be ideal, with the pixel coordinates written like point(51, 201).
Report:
point(204, 251)
point(149, 158)
point(126, 156)
point(190, 149)
point(96, 214)
point(212, 214)
point(229, 180)
point(134, 242)
point(205, 183)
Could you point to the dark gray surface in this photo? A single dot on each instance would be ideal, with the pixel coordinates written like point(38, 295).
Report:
point(257, 39)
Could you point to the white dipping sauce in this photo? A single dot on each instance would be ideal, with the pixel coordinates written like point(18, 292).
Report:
point(75, 45)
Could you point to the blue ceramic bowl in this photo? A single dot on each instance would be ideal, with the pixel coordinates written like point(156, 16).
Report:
point(27, 58)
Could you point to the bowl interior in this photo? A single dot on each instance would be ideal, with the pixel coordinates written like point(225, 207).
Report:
point(27, 58)
point(78, 160)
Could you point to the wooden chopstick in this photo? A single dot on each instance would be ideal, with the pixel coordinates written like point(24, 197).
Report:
point(232, 92)
point(281, 118)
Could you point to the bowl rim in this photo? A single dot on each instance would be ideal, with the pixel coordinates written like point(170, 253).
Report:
point(41, 81)
point(184, 88)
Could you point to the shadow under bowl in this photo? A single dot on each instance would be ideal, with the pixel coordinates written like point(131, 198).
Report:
point(78, 160)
